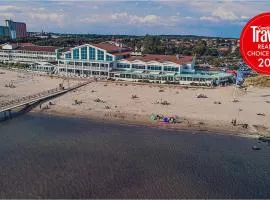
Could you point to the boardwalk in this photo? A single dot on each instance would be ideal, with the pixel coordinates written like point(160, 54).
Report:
point(28, 100)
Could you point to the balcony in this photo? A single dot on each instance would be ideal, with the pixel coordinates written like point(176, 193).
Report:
point(85, 67)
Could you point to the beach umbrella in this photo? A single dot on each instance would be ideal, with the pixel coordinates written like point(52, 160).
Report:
point(166, 119)
point(153, 117)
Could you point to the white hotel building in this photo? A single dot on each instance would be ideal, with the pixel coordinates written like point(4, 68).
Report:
point(113, 61)
point(27, 52)
point(110, 60)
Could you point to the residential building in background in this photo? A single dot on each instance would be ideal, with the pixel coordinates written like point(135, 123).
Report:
point(17, 29)
point(4, 31)
point(13, 30)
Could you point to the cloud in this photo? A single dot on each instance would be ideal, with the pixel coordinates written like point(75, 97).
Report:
point(39, 9)
point(44, 16)
point(4, 8)
point(135, 19)
point(122, 17)
point(220, 14)
point(209, 18)
point(230, 10)
point(118, 16)
point(245, 17)
point(225, 14)
point(6, 15)
point(188, 17)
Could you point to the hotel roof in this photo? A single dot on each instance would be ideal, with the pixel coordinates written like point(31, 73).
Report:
point(111, 48)
point(36, 48)
point(125, 53)
point(29, 47)
point(162, 58)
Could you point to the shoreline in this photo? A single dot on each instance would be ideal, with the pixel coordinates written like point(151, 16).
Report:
point(195, 128)
point(134, 103)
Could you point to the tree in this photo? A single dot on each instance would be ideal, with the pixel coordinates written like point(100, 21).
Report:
point(237, 53)
point(199, 49)
point(211, 52)
point(216, 62)
point(153, 45)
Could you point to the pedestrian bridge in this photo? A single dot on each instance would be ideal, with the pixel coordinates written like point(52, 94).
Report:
point(7, 107)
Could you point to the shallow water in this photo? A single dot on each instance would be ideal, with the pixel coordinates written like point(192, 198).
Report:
point(45, 156)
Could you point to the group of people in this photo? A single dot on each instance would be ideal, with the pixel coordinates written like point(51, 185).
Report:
point(162, 118)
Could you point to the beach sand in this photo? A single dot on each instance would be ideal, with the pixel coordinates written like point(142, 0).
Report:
point(26, 83)
point(118, 105)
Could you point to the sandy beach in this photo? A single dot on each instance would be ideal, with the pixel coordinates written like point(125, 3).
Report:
point(26, 83)
point(113, 101)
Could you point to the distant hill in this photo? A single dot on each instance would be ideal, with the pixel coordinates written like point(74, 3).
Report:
point(135, 36)
point(194, 37)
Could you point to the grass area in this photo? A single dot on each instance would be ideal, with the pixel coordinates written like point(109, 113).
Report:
point(258, 81)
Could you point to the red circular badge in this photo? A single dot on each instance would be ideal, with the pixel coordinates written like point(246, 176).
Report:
point(255, 43)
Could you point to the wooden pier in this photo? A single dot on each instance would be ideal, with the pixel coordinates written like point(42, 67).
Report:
point(7, 107)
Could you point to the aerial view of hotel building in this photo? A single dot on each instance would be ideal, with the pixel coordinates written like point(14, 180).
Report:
point(111, 60)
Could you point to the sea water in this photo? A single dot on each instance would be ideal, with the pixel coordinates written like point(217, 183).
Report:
point(44, 156)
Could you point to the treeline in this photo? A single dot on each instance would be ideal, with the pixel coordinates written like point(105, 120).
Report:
point(163, 45)
point(58, 42)
point(148, 44)
point(4, 40)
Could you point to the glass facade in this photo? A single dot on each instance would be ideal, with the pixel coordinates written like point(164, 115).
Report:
point(68, 55)
point(4, 31)
point(136, 66)
point(100, 55)
point(76, 54)
point(84, 53)
point(92, 53)
point(154, 68)
point(123, 66)
point(109, 58)
point(171, 69)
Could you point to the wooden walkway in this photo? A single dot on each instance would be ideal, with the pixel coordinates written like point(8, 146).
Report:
point(31, 99)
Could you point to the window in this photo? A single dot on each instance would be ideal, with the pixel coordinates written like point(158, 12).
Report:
point(86, 64)
point(137, 66)
point(154, 67)
point(100, 55)
point(92, 53)
point(68, 56)
point(123, 66)
point(76, 54)
point(84, 53)
point(171, 69)
point(109, 58)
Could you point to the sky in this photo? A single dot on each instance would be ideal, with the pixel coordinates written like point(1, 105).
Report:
point(221, 18)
